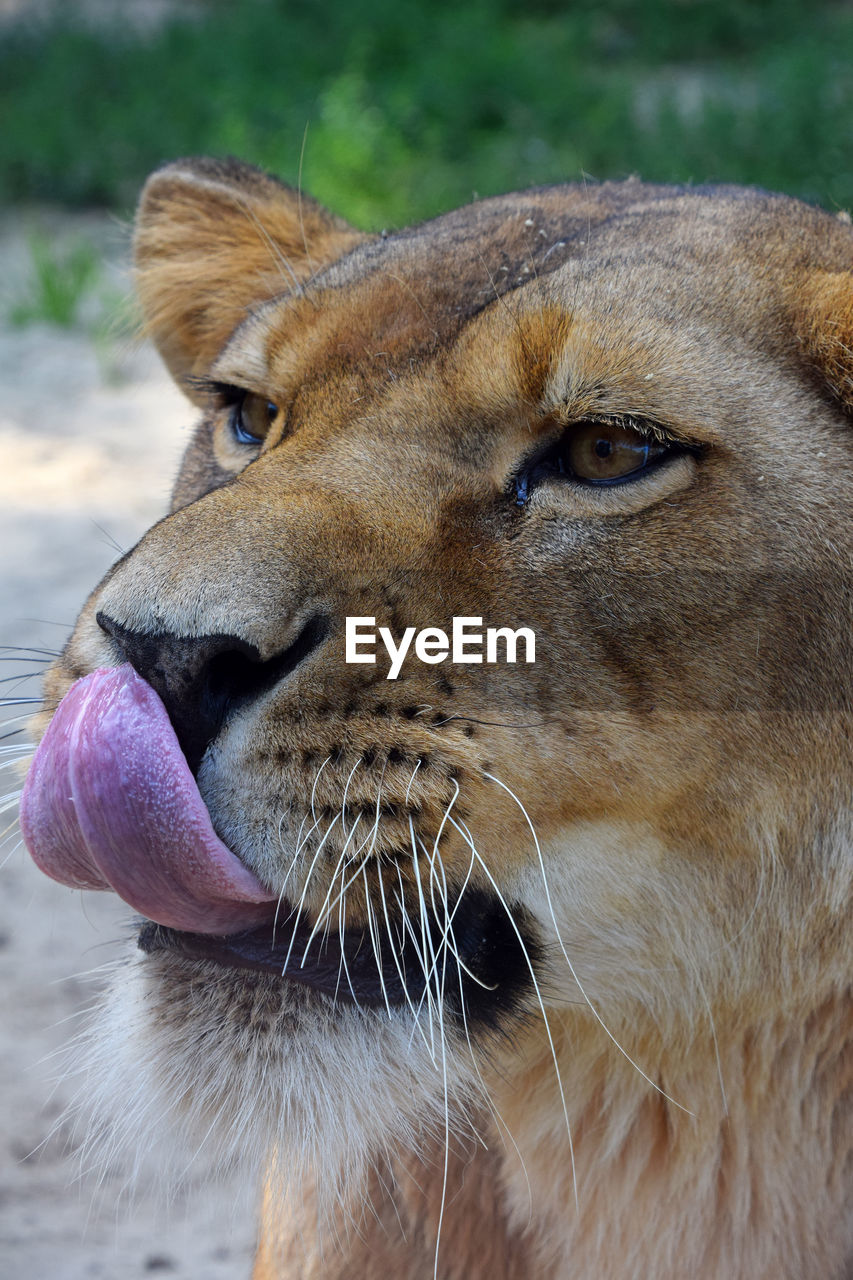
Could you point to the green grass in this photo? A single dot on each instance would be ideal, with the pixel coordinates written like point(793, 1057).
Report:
point(60, 281)
point(412, 107)
point(66, 287)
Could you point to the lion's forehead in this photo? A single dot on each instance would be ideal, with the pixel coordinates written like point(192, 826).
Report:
point(524, 300)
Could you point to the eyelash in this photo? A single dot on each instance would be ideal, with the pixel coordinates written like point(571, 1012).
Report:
point(222, 394)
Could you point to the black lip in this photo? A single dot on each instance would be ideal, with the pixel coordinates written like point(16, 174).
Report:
point(483, 976)
point(347, 972)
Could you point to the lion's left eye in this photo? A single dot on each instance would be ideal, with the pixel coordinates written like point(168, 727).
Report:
point(251, 418)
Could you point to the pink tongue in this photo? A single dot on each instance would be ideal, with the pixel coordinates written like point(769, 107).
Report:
point(110, 803)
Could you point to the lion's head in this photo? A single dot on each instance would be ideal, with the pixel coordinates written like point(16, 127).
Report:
point(613, 415)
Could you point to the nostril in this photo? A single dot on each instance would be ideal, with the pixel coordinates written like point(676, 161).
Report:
point(202, 679)
point(237, 673)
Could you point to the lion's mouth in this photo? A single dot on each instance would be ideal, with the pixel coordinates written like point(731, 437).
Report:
point(352, 967)
point(476, 957)
point(110, 803)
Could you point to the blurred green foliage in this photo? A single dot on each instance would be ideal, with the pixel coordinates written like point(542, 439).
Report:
point(61, 279)
point(411, 107)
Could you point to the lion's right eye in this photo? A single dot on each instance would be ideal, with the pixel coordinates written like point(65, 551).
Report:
point(251, 418)
point(600, 454)
point(607, 452)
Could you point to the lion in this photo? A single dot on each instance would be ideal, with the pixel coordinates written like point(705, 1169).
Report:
point(494, 969)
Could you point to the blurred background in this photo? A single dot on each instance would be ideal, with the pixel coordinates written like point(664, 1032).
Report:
point(387, 112)
point(410, 108)
point(395, 110)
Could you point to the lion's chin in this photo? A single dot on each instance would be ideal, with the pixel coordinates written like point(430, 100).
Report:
point(197, 1063)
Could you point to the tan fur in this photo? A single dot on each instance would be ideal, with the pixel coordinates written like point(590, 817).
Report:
point(679, 1102)
point(826, 327)
point(391, 1229)
point(187, 289)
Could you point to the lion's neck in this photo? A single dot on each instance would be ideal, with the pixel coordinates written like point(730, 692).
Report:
point(751, 1184)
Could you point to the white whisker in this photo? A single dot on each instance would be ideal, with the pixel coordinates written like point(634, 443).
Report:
point(301, 903)
point(374, 939)
point(396, 950)
point(411, 780)
point(572, 969)
point(344, 797)
point(463, 831)
point(326, 909)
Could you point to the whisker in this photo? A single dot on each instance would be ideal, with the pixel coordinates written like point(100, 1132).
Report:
point(409, 928)
point(22, 675)
point(495, 724)
point(452, 948)
point(49, 654)
point(276, 253)
point(431, 862)
point(346, 790)
point(450, 916)
point(312, 269)
point(342, 915)
point(396, 952)
point(111, 541)
point(411, 780)
point(371, 835)
point(299, 847)
point(326, 910)
point(713, 1026)
point(463, 831)
point(15, 847)
point(484, 1091)
point(426, 939)
point(446, 1171)
point(316, 781)
point(13, 733)
point(374, 941)
point(572, 970)
point(347, 883)
point(305, 887)
point(299, 844)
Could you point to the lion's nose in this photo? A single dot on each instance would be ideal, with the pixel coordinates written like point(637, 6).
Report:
point(202, 679)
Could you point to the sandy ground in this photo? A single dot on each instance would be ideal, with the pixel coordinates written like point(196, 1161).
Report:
point(88, 449)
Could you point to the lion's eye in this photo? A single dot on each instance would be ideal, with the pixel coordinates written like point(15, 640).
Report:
point(596, 453)
point(251, 418)
point(599, 452)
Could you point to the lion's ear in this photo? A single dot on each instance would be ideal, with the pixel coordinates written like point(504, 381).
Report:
point(215, 238)
point(825, 326)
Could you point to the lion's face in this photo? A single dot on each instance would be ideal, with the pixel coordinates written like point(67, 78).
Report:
point(607, 415)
